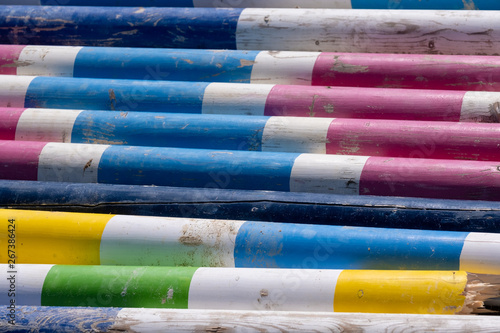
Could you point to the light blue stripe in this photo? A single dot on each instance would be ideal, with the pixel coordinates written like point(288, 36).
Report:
point(165, 64)
point(426, 4)
point(170, 130)
point(119, 95)
point(196, 168)
point(124, 3)
point(287, 245)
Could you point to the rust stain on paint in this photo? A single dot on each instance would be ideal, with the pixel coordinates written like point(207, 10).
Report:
point(112, 99)
point(469, 4)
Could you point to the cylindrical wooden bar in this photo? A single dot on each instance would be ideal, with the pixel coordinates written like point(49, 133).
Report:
point(77, 319)
point(288, 172)
point(417, 71)
point(391, 138)
point(313, 208)
point(376, 291)
point(102, 239)
point(244, 99)
point(329, 30)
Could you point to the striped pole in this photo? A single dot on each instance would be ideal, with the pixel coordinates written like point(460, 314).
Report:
point(452, 72)
point(77, 319)
point(343, 4)
point(434, 292)
point(312, 208)
point(329, 30)
point(288, 172)
point(244, 99)
point(392, 138)
point(101, 239)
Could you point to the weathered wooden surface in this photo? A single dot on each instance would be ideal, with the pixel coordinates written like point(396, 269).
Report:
point(244, 99)
point(417, 71)
point(101, 239)
point(324, 209)
point(333, 30)
point(314, 290)
point(391, 138)
point(288, 172)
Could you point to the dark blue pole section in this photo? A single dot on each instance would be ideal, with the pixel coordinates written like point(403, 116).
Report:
point(387, 212)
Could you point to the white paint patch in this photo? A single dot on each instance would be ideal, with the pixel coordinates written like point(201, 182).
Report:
point(336, 174)
point(48, 60)
point(70, 162)
point(29, 281)
point(480, 253)
point(284, 67)
point(51, 125)
point(158, 241)
point(296, 135)
point(346, 4)
point(235, 98)
point(263, 289)
point(13, 90)
point(480, 105)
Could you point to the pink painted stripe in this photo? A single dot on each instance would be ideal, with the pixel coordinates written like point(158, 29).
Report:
point(9, 54)
point(19, 159)
point(366, 103)
point(9, 117)
point(430, 178)
point(414, 139)
point(408, 71)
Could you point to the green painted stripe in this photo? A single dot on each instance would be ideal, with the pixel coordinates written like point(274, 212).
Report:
point(118, 286)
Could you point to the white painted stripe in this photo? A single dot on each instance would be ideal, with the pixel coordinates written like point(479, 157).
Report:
point(235, 98)
point(294, 134)
point(48, 60)
point(28, 281)
point(336, 174)
point(480, 105)
point(346, 4)
point(283, 67)
point(481, 253)
point(365, 31)
point(51, 125)
point(69, 162)
point(145, 241)
point(13, 90)
point(263, 289)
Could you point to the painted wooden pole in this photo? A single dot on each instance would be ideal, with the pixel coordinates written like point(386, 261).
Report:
point(244, 99)
point(210, 202)
point(102, 239)
point(329, 30)
point(78, 319)
point(451, 72)
point(419, 292)
point(288, 172)
point(391, 138)
point(340, 4)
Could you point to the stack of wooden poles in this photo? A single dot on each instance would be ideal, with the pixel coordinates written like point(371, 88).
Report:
point(321, 165)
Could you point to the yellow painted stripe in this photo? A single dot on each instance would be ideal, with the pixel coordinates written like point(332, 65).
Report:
point(53, 237)
point(421, 292)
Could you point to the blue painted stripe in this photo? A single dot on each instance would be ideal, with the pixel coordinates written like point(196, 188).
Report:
point(163, 64)
point(327, 247)
point(119, 95)
point(170, 130)
point(58, 319)
point(312, 208)
point(124, 3)
point(196, 168)
point(199, 28)
point(424, 4)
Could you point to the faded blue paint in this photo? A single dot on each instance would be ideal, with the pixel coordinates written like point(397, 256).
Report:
point(124, 3)
point(58, 319)
point(170, 130)
point(286, 245)
point(119, 95)
point(196, 168)
point(198, 28)
point(165, 64)
point(426, 4)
